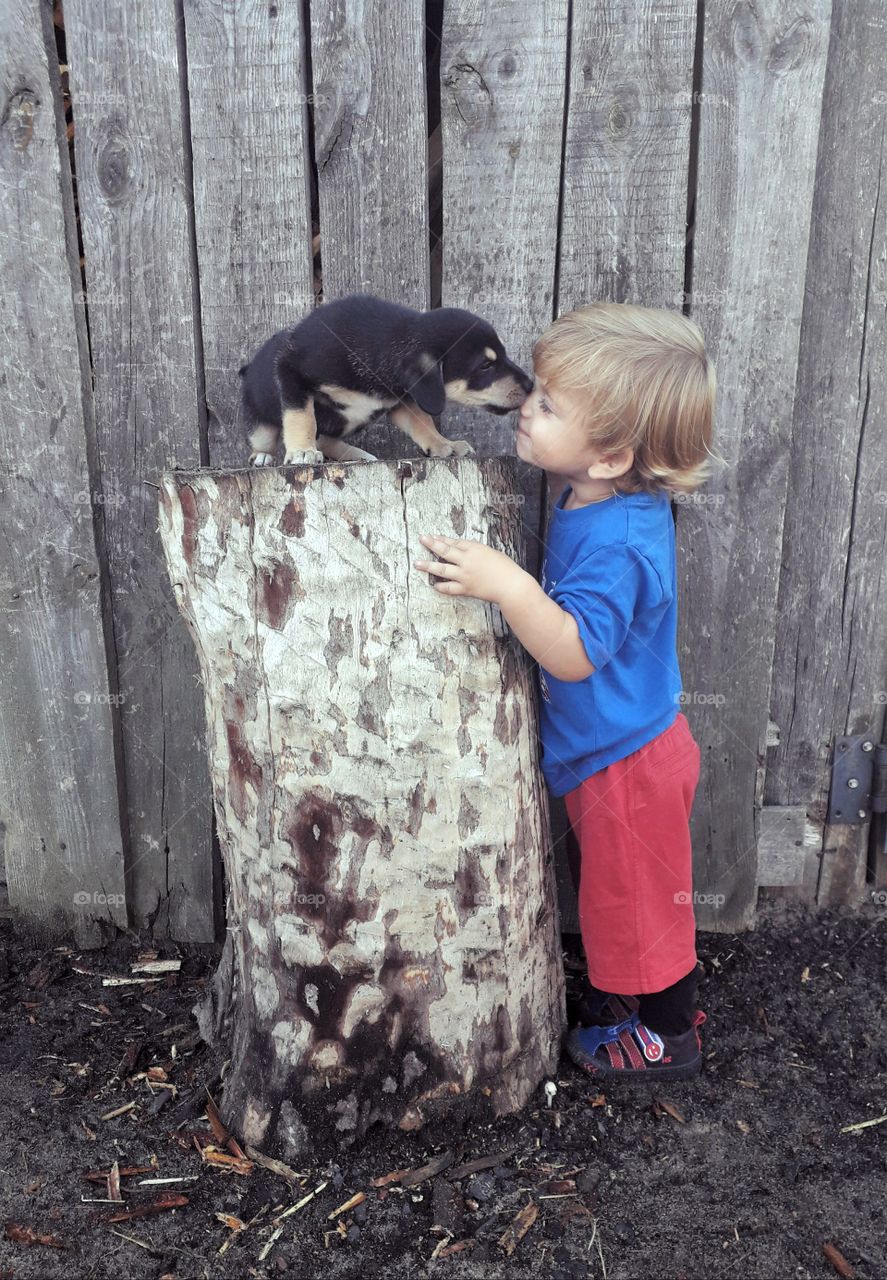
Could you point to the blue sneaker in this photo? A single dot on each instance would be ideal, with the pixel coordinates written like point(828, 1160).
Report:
point(630, 1049)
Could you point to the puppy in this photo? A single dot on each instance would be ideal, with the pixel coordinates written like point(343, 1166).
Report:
point(354, 359)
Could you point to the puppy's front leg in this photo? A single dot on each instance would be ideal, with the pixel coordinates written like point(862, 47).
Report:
point(297, 408)
point(419, 426)
point(300, 436)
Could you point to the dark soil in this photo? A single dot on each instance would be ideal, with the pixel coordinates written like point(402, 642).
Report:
point(744, 1172)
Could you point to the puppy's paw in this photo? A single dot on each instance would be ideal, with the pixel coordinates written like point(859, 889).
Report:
point(261, 459)
point(461, 447)
point(450, 449)
point(302, 457)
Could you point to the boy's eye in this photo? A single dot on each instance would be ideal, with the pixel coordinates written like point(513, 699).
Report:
point(544, 406)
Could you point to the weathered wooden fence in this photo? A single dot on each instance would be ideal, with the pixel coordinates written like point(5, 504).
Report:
point(178, 183)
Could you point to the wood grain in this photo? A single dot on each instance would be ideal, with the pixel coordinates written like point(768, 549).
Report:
point(248, 101)
point(502, 101)
point(132, 182)
point(830, 659)
point(58, 791)
point(763, 72)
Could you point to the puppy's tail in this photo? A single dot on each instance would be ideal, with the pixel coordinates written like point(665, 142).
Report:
point(242, 370)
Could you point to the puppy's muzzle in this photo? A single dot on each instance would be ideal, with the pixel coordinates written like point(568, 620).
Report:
point(509, 392)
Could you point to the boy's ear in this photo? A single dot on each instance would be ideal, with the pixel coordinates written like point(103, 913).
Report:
point(424, 383)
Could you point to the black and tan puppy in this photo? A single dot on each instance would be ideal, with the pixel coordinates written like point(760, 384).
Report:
point(352, 360)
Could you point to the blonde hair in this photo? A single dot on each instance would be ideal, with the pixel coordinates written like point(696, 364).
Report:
point(648, 385)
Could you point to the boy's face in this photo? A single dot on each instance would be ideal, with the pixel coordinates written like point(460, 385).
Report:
point(550, 435)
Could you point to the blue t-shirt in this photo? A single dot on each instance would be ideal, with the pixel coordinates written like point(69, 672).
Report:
point(610, 564)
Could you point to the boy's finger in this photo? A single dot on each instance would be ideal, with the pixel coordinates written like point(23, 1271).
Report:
point(441, 569)
point(442, 546)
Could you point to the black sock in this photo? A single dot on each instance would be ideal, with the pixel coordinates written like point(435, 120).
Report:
point(670, 1012)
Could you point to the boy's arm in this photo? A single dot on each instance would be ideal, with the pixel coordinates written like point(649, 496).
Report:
point(548, 632)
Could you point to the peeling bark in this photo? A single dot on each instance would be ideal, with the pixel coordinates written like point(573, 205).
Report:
point(393, 950)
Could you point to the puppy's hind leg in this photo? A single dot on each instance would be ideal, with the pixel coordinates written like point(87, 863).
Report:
point(263, 441)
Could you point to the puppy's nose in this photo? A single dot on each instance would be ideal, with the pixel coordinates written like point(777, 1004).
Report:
point(525, 382)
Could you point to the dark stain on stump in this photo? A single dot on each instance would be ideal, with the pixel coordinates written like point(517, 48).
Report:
point(340, 642)
point(376, 701)
point(457, 519)
point(371, 1042)
point(188, 502)
point(242, 768)
point(417, 808)
point(292, 522)
point(504, 922)
point(314, 829)
point(276, 593)
point(501, 1030)
point(501, 727)
point(325, 1007)
point(322, 994)
point(470, 884)
point(242, 764)
point(509, 666)
point(469, 702)
point(469, 817)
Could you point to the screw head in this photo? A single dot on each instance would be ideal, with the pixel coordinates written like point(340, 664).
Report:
point(852, 783)
point(868, 746)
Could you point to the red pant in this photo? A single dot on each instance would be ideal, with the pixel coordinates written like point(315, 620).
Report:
point(631, 821)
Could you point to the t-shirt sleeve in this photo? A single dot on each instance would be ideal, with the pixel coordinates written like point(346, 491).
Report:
point(605, 591)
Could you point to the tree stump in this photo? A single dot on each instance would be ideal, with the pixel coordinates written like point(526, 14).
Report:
point(393, 951)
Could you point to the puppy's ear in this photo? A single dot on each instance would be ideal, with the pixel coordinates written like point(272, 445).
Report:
point(424, 384)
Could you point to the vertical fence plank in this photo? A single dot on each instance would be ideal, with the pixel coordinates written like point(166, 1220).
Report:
point(626, 158)
point(58, 791)
point(132, 184)
point(627, 155)
point(831, 646)
point(502, 87)
point(370, 144)
point(502, 84)
point(763, 71)
point(370, 141)
point(248, 97)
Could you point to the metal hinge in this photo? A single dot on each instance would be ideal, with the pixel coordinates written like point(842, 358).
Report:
point(859, 780)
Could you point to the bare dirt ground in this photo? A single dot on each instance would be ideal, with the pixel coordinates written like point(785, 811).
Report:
point(747, 1172)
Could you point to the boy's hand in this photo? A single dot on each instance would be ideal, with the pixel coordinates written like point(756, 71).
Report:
point(471, 568)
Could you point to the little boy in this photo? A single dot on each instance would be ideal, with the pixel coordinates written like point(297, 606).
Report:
point(622, 410)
